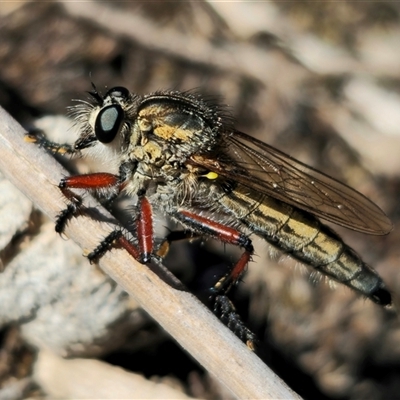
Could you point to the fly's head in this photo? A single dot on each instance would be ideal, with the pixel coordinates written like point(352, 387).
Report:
point(105, 125)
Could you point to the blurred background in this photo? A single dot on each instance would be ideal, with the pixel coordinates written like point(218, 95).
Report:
point(318, 80)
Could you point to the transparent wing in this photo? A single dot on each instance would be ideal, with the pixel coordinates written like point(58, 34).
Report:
point(266, 169)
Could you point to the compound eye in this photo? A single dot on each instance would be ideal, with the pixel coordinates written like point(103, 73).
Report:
point(108, 123)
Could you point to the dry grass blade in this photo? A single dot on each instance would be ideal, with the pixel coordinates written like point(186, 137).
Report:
point(37, 174)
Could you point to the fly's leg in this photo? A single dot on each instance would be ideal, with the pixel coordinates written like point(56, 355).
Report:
point(73, 209)
point(225, 234)
point(144, 227)
point(92, 182)
point(36, 136)
point(144, 222)
point(87, 182)
point(115, 239)
point(226, 312)
point(222, 306)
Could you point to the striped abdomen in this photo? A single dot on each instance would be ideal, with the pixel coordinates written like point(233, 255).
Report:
point(305, 238)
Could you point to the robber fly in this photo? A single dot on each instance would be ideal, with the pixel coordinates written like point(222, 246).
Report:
point(178, 155)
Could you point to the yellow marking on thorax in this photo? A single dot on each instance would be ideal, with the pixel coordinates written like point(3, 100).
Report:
point(167, 132)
